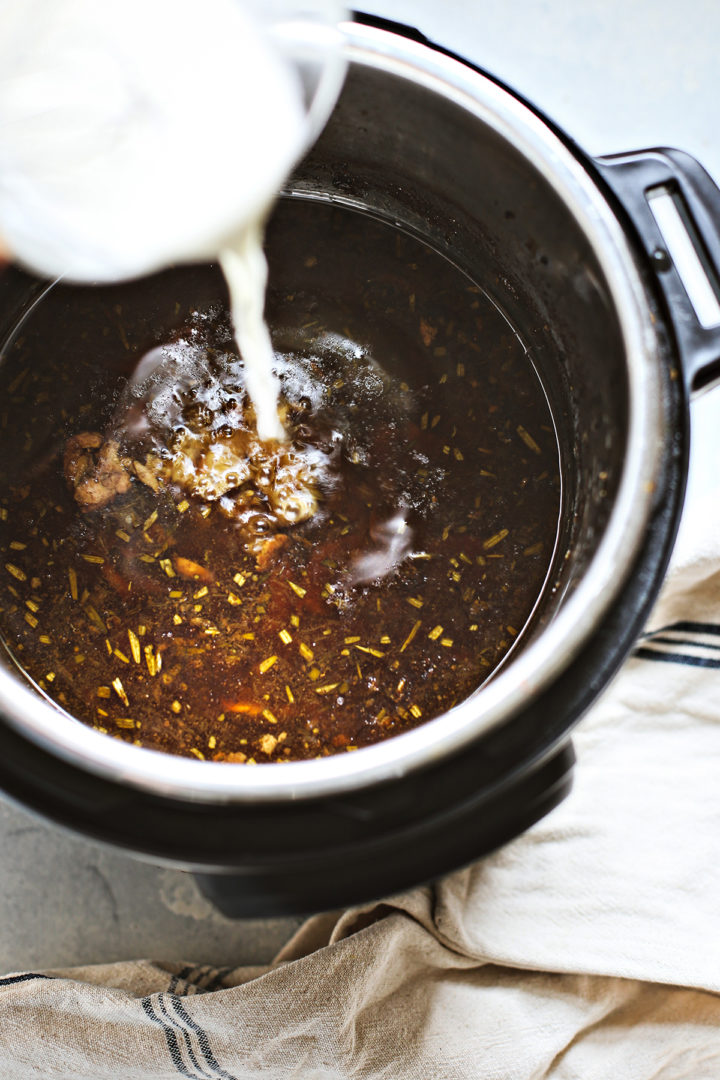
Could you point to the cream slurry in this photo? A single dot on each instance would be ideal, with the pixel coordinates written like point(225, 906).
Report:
point(245, 268)
point(139, 133)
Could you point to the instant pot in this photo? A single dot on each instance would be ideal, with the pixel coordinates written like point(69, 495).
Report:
point(575, 251)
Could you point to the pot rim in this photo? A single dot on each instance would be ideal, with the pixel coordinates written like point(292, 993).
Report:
point(544, 659)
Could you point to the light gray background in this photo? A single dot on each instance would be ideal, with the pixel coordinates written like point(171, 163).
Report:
point(616, 75)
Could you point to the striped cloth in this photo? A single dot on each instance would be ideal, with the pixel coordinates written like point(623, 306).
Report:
point(588, 948)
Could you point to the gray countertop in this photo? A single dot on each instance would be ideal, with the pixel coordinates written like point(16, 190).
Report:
point(617, 76)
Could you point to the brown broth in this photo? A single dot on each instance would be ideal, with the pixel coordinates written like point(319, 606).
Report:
point(155, 620)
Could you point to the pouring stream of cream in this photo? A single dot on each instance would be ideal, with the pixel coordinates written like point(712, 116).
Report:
point(137, 134)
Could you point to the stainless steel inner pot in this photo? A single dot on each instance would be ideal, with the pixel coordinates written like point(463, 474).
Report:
point(425, 142)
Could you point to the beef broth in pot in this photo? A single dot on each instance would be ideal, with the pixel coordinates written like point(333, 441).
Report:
point(173, 582)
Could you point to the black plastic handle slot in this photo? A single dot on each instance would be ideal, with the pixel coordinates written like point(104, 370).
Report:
point(687, 251)
point(674, 206)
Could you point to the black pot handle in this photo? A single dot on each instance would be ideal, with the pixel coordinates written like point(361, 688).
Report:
point(652, 185)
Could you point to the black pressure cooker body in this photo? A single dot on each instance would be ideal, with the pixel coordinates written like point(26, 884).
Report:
point(318, 851)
